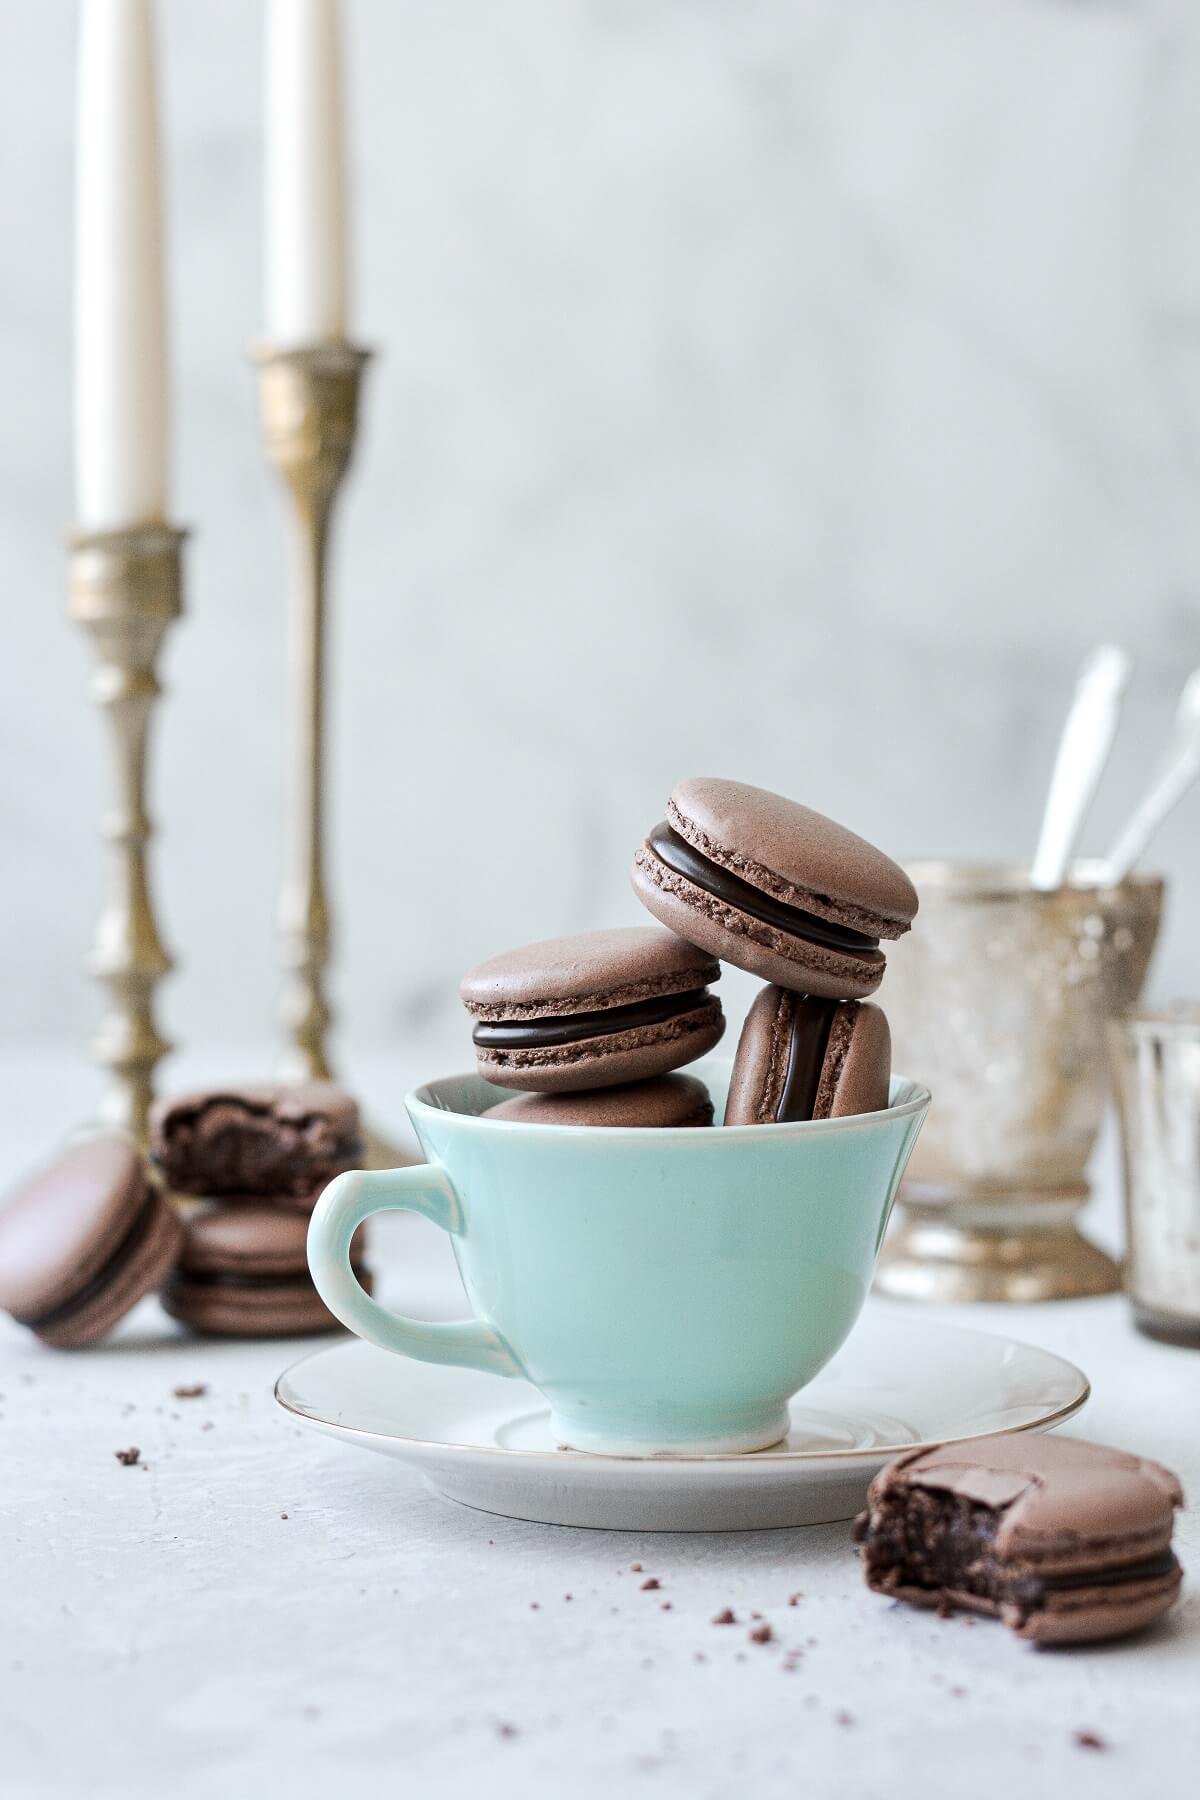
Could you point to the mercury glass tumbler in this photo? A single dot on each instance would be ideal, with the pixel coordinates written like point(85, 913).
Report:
point(999, 1000)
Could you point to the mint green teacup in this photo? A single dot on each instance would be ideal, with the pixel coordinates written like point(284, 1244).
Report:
point(667, 1291)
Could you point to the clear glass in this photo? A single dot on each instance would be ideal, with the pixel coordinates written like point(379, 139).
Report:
point(1156, 1070)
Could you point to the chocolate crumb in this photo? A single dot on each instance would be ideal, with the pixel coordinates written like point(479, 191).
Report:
point(505, 1730)
point(795, 1599)
point(665, 1607)
point(726, 1616)
point(535, 1606)
point(756, 1615)
point(127, 1458)
point(194, 1390)
point(651, 1581)
point(843, 1718)
point(283, 1515)
point(1089, 1740)
point(762, 1634)
point(568, 1596)
point(635, 1568)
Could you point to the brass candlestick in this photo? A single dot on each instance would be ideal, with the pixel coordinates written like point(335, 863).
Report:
point(309, 406)
point(125, 589)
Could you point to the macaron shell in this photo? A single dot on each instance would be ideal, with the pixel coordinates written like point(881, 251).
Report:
point(670, 1100)
point(608, 1061)
point(587, 972)
point(761, 1062)
point(800, 856)
point(1068, 1504)
point(734, 936)
point(1090, 1615)
point(60, 1227)
point(142, 1273)
point(269, 1139)
point(251, 1239)
point(279, 1309)
point(858, 1063)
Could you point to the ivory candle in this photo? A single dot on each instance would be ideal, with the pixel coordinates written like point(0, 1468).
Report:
point(120, 331)
point(306, 182)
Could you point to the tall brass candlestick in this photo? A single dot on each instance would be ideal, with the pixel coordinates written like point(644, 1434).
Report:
point(125, 589)
point(309, 402)
point(309, 406)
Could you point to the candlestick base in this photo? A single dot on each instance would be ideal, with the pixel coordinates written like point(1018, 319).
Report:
point(125, 590)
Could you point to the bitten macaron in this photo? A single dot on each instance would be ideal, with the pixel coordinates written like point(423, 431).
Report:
point(243, 1272)
point(83, 1240)
point(662, 1102)
point(800, 1058)
point(1066, 1542)
point(594, 1010)
point(763, 882)
point(277, 1141)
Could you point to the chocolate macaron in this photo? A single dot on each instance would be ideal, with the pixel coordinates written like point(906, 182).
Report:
point(663, 1101)
point(593, 1010)
point(83, 1240)
point(773, 887)
point(279, 1141)
point(1066, 1542)
point(801, 1058)
point(243, 1272)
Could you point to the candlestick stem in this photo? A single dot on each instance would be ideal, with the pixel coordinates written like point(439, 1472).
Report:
point(125, 589)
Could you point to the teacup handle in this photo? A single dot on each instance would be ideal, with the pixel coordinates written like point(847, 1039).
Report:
point(342, 1208)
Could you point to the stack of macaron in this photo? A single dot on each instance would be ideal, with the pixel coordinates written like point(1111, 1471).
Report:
point(252, 1162)
point(592, 1028)
point(96, 1230)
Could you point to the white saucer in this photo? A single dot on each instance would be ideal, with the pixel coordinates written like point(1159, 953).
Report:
point(485, 1441)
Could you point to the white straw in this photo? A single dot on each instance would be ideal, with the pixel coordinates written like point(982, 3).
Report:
point(1082, 753)
point(1171, 781)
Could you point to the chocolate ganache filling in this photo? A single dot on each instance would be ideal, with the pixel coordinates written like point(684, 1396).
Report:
point(689, 862)
point(536, 1034)
point(812, 1022)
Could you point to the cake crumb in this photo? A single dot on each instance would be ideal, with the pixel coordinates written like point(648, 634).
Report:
point(505, 1730)
point(726, 1616)
point(1089, 1740)
point(650, 1582)
point(193, 1390)
point(795, 1599)
point(762, 1634)
point(843, 1718)
point(127, 1458)
point(635, 1568)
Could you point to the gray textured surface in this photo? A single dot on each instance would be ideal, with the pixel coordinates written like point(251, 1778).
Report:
point(167, 1631)
point(792, 391)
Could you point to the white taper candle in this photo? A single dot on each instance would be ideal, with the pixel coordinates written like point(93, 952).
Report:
point(305, 176)
point(121, 453)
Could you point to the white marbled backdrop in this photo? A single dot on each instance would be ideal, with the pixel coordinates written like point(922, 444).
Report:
point(793, 389)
